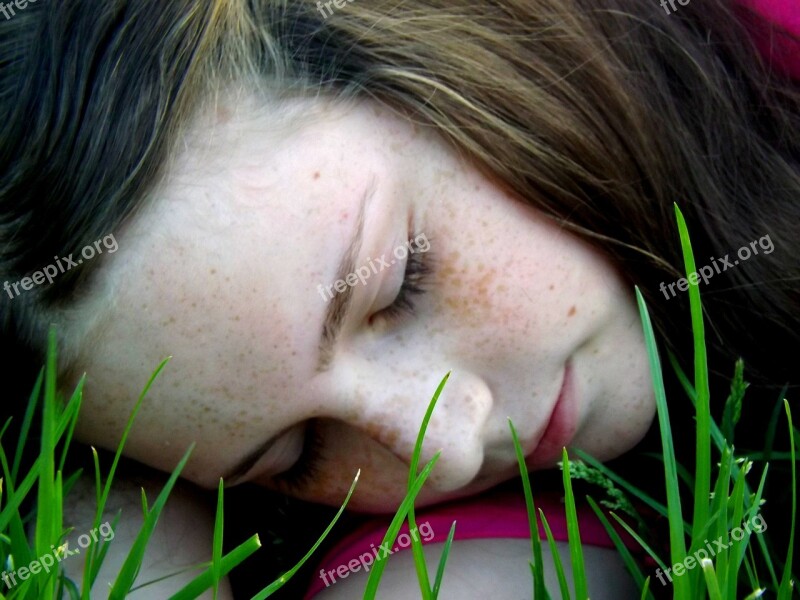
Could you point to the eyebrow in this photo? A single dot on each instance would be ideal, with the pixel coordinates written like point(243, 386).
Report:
point(342, 302)
point(335, 317)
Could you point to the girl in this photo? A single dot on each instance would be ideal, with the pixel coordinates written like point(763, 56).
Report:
point(320, 212)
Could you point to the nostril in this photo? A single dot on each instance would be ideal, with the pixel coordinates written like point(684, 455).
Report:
point(388, 435)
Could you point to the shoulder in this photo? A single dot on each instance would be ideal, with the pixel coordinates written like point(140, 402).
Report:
point(482, 567)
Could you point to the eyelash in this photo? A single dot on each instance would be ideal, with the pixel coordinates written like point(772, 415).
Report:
point(306, 467)
point(414, 280)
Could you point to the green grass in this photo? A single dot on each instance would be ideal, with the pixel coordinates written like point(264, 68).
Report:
point(717, 498)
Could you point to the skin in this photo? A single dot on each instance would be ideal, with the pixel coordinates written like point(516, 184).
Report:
point(221, 271)
point(505, 560)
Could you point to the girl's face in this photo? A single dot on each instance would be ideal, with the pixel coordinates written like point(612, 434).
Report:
point(284, 377)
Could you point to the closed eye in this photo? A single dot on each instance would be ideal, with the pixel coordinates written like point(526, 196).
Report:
point(414, 279)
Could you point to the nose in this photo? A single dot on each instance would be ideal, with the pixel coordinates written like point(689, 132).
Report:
point(390, 406)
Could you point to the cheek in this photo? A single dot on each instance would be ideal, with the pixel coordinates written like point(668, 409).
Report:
point(382, 481)
point(467, 290)
point(219, 400)
point(225, 386)
point(501, 306)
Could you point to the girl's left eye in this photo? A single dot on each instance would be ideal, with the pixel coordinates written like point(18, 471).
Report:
point(414, 280)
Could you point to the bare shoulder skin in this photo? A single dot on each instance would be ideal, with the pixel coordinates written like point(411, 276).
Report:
point(182, 537)
point(491, 568)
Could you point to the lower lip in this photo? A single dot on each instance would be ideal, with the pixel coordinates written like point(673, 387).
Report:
point(560, 429)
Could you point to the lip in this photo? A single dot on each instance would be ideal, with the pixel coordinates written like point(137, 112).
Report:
point(560, 428)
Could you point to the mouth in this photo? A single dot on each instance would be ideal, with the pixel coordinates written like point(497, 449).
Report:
point(560, 428)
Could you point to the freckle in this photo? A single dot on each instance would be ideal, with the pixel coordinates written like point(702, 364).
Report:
point(572, 311)
point(213, 271)
point(223, 115)
point(552, 287)
point(316, 174)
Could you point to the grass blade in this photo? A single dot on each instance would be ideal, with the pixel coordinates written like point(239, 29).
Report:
point(216, 551)
point(559, 566)
point(640, 541)
point(204, 581)
point(27, 421)
point(48, 513)
point(380, 564)
point(71, 413)
point(627, 557)
point(786, 589)
point(92, 567)
point(677, 544)
point(712, 585)
point(130, 568)
point(437, 584)
point(416, 545)
point(573, 533)
point(646, 590)
point(539, 589)
point(702, 473)
point(281, 581)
